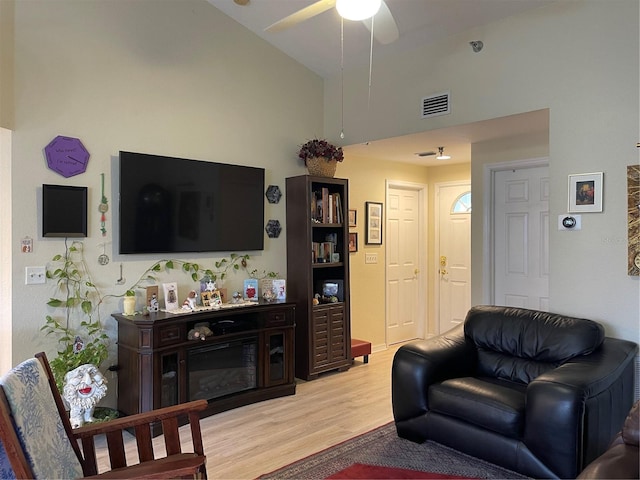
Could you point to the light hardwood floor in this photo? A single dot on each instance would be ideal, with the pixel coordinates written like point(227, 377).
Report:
point(249, 441)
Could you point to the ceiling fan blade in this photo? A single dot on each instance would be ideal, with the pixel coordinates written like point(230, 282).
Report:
point(386, 30)
point(301, 15)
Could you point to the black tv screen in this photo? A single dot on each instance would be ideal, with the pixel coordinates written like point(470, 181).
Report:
point(64, 211)
point(177, 205)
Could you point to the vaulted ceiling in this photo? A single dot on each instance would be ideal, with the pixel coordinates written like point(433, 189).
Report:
point(316, 43)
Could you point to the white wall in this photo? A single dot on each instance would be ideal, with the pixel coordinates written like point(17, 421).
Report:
point(5, 250)
point(167, 77)
point(578, 59)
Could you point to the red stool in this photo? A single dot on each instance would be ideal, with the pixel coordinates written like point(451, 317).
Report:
point(360, 348)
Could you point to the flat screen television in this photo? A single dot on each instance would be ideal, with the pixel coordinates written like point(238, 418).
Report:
point(177, 205)
point(64, 211)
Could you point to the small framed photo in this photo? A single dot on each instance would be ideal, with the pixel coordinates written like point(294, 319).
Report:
point(585, 192)
point(216, 298)
point(352, 217)
point(170, 295)
point(206, 298)
point(353, 242)
point(373, 229)
point(251, 289)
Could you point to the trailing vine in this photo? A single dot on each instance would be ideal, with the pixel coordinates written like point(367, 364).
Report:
point(78, 296)
point(196, 271)
point(76, 293)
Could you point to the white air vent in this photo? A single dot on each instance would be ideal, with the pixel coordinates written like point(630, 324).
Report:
point(435, 105)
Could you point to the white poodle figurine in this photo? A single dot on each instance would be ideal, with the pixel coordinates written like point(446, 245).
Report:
point(83, 388)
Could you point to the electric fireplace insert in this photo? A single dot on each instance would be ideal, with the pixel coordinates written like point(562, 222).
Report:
point(222, 368)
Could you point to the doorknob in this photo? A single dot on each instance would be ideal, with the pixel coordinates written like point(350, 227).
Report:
point(443, 271)
point(416, 271)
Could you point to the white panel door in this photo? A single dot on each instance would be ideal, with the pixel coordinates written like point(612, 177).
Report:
point(453, 254)
point(403, 265)
point(521, 238)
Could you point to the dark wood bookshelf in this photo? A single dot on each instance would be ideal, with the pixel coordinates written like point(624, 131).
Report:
point(323, 332)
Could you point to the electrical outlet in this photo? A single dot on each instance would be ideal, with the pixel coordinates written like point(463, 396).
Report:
point(35, 276)
point(370, 258)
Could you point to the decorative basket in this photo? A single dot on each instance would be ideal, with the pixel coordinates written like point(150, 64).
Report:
point(321, 167)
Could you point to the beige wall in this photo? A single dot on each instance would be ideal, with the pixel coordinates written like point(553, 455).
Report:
point(6, 63)
point(6, 122)
point(367, 180)
point(559, 57)
point(172, 78)
point(6, 284)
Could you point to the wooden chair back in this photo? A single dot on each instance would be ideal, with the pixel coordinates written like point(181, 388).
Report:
point(30, 399)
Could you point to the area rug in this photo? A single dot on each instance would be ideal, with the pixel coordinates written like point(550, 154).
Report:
point(359, 471)
point(383, 448)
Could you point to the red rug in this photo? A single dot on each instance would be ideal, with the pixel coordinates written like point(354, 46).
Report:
point(361, 471)
point(380, 453)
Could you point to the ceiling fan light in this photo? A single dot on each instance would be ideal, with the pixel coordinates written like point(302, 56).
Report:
point(357, 9)
point(441, 155)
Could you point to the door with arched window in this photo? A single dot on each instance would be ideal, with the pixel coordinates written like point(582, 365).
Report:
point(453, 253)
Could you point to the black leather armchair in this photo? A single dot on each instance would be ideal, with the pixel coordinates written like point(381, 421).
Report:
point(538, 393)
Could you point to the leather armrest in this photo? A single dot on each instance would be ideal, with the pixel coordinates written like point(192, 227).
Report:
point(418, 364)
point(556, 401)
point(620, 461)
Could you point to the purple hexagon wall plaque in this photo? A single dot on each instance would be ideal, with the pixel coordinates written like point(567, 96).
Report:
point(67, 156)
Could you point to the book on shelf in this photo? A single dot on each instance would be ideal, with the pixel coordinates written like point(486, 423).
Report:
point(322, 251)
point(326, 207)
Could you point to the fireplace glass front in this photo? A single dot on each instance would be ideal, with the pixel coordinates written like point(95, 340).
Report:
point(222, 369)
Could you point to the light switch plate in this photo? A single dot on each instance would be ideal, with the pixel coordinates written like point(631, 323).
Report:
point(370, 258)
point(35, 275)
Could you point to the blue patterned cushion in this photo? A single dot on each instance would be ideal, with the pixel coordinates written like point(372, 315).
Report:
point(38, 423)
point(5, 467)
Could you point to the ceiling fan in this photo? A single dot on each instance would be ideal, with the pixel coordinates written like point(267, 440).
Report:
point(386, 30)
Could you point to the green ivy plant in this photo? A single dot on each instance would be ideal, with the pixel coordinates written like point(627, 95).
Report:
point(261, 275)
point(195, 271)
point(77, 296)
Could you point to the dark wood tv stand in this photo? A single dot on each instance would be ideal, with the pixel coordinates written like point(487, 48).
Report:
point(155, 357)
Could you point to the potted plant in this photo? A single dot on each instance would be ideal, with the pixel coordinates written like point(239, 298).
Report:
point(129, 302)
point(321, 157)
point(81, 336)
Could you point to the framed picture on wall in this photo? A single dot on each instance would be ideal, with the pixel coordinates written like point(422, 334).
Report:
point(352, 218)
point(353, 242)
point(373, 228)
point(585, 192)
